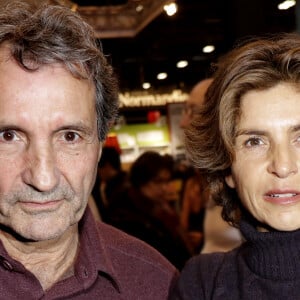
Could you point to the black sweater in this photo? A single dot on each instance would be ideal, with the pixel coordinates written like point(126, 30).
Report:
point(266, 266)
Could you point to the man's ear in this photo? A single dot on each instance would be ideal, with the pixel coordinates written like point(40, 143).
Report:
point(230, 181)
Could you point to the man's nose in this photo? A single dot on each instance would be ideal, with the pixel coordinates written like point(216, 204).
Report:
point(40, 167)
point(283, 161)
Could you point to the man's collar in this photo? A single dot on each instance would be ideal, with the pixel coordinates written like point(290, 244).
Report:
point(93, 257)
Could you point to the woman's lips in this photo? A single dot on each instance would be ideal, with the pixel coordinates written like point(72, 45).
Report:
point(282, 197)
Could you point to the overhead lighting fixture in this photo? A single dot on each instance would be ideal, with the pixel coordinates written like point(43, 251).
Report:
point(182, 64)
point(286, 4)
point(170, 9)
point(139, 8)
point(73, 6)
point(146, 85)
point(208, 49)
point(162, 76)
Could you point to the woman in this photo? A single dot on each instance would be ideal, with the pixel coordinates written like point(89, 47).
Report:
point(143, 209)
point(247, 141)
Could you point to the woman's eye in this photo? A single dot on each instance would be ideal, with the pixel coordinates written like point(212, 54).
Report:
point(71, 136)
point(298, 139)
point(252, 142)
point(7, 135)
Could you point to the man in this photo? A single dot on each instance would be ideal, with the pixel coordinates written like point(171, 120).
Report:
point(58, 97)
point(195, 99)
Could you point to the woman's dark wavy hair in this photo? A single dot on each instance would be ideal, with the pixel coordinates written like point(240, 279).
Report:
point(258, 64)
point(41, 34)
point(147, 166)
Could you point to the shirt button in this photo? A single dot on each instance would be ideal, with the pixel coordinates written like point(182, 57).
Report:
point(7, 265)
point(85, 273)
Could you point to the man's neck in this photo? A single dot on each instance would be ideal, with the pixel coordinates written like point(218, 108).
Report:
point(50, 261)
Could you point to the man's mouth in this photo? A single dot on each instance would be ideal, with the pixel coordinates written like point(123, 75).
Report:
point(40, 206)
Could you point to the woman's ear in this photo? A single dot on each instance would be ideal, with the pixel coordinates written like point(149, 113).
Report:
point(230, 181)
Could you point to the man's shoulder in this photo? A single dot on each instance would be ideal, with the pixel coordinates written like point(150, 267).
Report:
point(124, 247)
point(141, 271)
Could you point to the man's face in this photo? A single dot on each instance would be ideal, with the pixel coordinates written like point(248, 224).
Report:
point(266, 168)
point(48, 149)
point(196, 99)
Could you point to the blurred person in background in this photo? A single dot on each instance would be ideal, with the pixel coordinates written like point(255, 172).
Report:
point(110, 181)
point(144, 209)
point(200, 215)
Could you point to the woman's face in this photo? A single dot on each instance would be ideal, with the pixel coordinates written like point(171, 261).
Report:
point(265, 171)
point(157, 188)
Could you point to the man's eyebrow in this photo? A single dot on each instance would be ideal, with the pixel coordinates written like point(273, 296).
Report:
point(5, 126)
point(77, 127)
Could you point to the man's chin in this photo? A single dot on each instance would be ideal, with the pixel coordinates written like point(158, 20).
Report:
point(36, 232)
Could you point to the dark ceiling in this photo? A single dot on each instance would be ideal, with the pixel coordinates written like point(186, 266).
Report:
point(165, 40)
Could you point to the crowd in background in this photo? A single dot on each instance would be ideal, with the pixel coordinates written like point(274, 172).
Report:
point(145, 201)
point(163, 201)
point(158, 200)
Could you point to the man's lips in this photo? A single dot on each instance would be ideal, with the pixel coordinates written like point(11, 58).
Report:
point(282, 197)
point(41, 205)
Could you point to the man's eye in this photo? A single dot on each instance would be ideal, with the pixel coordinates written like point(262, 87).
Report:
point(252, 142)
point(71, 136)
point(7, 135)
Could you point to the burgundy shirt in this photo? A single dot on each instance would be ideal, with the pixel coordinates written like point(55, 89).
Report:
point(110, 265)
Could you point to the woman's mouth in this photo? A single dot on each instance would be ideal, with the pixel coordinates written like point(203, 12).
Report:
point(283, 195)
point(282, 198)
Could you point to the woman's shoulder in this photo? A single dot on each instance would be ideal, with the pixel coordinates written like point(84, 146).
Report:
point(203, 263)
point(202, 274)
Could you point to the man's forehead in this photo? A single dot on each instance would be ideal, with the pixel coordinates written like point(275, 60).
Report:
point(5, 52)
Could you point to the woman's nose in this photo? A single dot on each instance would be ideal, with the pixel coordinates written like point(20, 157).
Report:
point(283, 161)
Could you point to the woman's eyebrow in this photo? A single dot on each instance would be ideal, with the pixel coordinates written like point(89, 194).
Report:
point(251, 132)
point(296, 128)
point(242, 131)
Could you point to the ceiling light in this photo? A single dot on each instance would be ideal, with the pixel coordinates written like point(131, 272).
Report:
point(146, 85)
point(286, 4)
point(170, 9)
point(182, 64)
point(73, 6)
point(208, 49)
point(139, 8)
point(162, 75)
